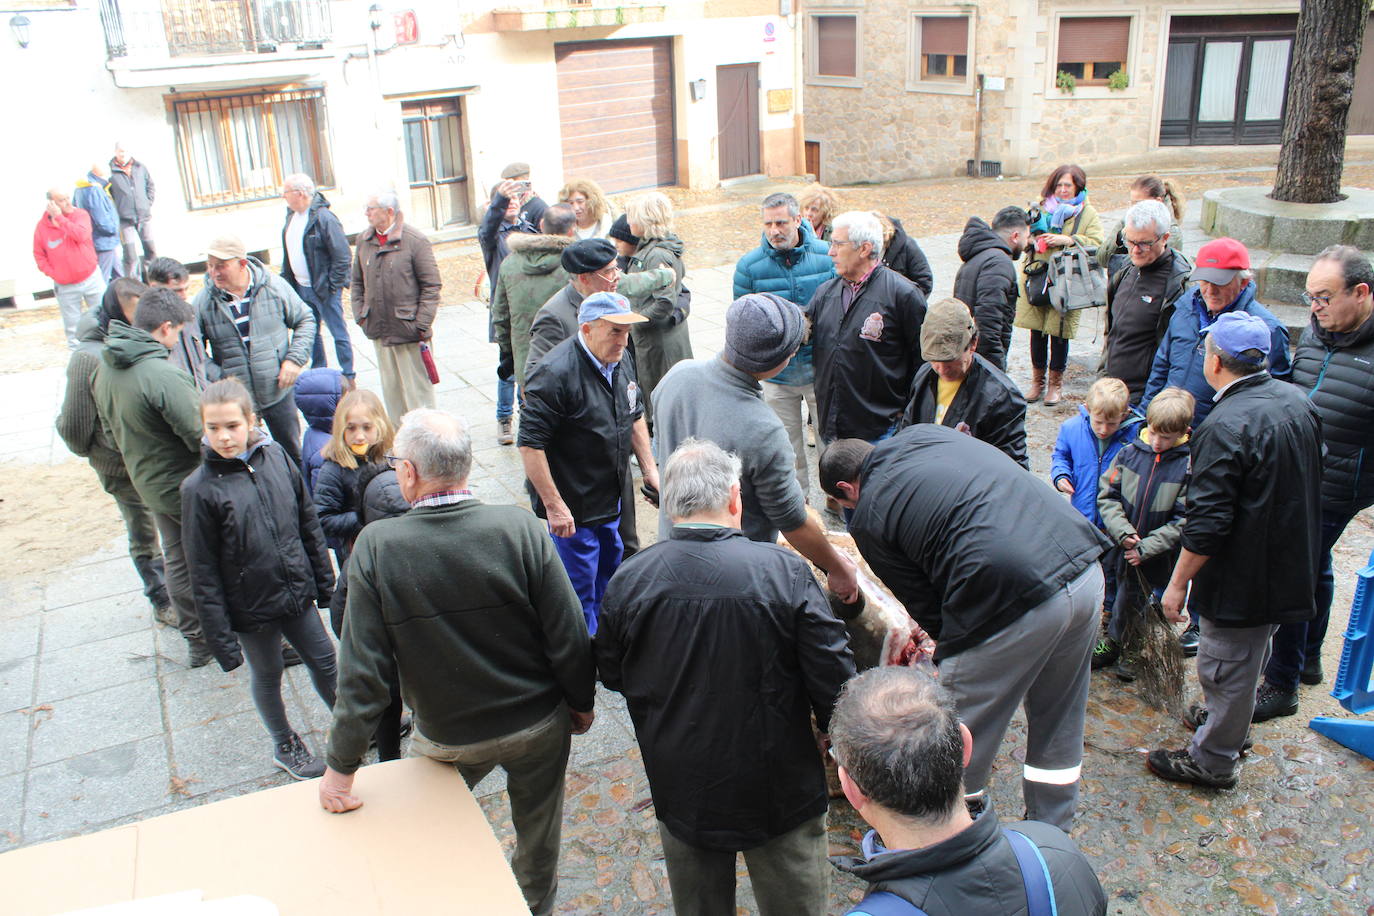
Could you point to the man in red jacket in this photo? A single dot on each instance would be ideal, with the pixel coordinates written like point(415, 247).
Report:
point(63, 249)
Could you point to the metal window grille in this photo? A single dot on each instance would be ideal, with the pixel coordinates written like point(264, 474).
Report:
point(238, 148)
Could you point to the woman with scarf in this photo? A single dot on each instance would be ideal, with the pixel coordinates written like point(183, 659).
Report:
point(1071, 219)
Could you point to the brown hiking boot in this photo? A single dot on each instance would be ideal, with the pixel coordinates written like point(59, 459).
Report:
point(1054, 392)
point(505, 433)
point(1037, 388)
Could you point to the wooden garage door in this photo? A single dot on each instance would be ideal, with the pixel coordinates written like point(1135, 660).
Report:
point(615, 103)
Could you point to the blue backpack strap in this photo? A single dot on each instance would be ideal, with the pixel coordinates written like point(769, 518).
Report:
point(883, 903)
point(1034, 872)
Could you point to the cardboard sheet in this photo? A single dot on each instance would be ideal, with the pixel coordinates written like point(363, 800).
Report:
point(419, 844)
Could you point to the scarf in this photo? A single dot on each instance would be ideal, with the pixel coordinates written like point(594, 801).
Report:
point(1062, 211)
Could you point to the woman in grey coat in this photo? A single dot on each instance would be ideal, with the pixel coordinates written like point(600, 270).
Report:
point(662, 341)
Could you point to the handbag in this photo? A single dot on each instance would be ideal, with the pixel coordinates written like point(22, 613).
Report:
point(1037, 283)
point(1075, 281)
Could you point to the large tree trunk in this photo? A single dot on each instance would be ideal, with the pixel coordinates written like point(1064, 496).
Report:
point(1321, 81)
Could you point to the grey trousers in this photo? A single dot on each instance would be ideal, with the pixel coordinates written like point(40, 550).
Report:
point(790, 874)
point(536, 761)
point(178, 577)
point(1229, 663)
point(786, 401)
point(1042, 660)
point(70, 297)
point(283, 421)
point(142, 529)
point(405, 383)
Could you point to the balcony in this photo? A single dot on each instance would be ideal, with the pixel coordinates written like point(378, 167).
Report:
point(576, 14)
point(160, 29)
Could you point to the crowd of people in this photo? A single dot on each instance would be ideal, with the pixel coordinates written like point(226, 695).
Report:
point(1210, 469)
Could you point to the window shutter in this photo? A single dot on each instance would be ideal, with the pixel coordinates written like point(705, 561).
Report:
point(944, 35)
point(1094, 38)
point(836, 46)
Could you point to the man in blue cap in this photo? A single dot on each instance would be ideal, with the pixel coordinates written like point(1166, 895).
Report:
point(1251, 543)
point(583, 415)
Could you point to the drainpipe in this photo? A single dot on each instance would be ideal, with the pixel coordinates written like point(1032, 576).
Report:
point(978, 128)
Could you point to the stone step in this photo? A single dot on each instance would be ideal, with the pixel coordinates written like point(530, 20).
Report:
point(1281, 280)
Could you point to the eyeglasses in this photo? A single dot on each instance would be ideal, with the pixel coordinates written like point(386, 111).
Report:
point(1310, 300)
point(393, 461)
point(1143, 246)
point(615, 272)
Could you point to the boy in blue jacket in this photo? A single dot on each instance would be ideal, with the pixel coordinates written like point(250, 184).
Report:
point(1085, 448)
point(1141, 498)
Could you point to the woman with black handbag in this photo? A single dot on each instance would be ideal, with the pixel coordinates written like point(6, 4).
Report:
point(1066, 218)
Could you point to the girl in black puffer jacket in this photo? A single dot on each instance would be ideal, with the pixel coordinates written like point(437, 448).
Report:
point(361, 435)
point(258, 563)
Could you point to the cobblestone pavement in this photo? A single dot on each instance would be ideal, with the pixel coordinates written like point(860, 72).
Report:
point(101, 722)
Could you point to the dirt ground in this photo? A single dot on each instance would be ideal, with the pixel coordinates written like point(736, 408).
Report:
point(52, 514)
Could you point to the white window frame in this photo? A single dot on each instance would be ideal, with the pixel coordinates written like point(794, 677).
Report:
point(1131, 64)
point(813, 47)
point(914, 82)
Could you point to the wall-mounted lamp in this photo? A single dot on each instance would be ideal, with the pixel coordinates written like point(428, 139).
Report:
point(374, 17)
point(698, 89)
point(19, 25)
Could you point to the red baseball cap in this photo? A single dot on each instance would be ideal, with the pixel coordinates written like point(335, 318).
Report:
point(1219, 261)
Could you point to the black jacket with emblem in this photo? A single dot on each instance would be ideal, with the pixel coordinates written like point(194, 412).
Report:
point(724, 648)
point(1337, 372)
point(583, 426)
point(865, 357)
point(987, 401)
point(253, 545)
point(1254, 506)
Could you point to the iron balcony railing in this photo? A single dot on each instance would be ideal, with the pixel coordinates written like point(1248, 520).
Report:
point(193, 28)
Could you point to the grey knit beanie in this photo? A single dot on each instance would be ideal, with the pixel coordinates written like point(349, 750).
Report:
point(761, 331)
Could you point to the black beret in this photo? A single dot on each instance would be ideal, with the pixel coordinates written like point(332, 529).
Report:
point(587, 256)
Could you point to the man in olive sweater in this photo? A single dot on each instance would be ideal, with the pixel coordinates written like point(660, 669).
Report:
point(470, 606)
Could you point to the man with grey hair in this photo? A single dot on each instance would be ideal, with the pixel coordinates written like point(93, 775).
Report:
point(790, 262)
point(316, 263)
point(865, 335)
point(485, 636)
point(724, 649)
point(1141, 296)
point(395, 297)
point(901, 751)
point(1222, 284)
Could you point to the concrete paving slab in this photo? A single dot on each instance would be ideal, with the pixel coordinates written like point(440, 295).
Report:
point(92, 621)
point(82, 793)
point(11, 811)
point(103, 579)
point(16, 682)
point(97, 720)
point(14, 741)
point(96, 665)
point(226, 752)
point(198, 696)
point(19, 598)
point(19, 637)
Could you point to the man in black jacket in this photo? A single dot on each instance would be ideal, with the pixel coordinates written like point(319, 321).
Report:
point(724, 648)
point(583, 416)
point(942, 519)
point(1141, 296)
point(865, 335)
point(1250, 545)
point(318, 265)
point(902, 752)
point(986, 281)
point(133, 191)
point(962, 390)
point(1334, 364)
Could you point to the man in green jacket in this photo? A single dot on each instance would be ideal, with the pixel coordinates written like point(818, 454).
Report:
point(530, 275)
point(468, 606)
point(153, 413)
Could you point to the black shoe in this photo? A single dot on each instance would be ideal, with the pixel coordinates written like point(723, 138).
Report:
point(200, 655)
point(1106, 652)
point(1188, 639)
point(1312, 674)
point(1271, 702)
point(1196, 714)
point(289, 656)
point(1179, 766)
point(407, 726)
point(1125, 670)
point(293, 757)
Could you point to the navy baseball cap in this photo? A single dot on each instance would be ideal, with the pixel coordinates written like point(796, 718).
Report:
point(1235, 332)
point(614, 307)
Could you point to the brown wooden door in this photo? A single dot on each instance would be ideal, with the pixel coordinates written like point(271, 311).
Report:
point(1361, 119)
point(436, 161)
point(813, 159)
point(615, 105)
point(737, 119)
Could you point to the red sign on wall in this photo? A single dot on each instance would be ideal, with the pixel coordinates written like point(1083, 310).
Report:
point(407, 28)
